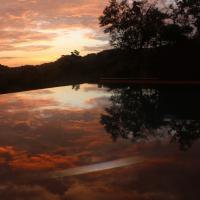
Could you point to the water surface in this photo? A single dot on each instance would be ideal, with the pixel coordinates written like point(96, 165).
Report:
point(97, 143)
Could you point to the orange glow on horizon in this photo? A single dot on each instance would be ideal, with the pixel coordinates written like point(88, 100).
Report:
point(35, 32)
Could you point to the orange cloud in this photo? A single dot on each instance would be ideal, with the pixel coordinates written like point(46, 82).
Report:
point(27, 27)
point(43, 162)
point(22, 160)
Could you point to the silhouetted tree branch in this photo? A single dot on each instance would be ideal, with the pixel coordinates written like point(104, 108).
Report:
point(139, 24)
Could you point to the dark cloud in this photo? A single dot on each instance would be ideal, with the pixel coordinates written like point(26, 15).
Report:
point(98, 35)
point(26, 192)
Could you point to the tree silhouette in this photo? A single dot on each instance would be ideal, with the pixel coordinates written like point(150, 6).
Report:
point(131, 112)
point(132, 25)
point(137, 114)
point(139, 24)
point(183, 22)
point(188, 15)
point(184, 132)
point(75, 53)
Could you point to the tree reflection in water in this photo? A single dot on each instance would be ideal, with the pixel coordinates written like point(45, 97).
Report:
point(140, 114)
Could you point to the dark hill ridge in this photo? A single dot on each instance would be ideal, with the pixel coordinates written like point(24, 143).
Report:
point(3, 67)
point(179, 63)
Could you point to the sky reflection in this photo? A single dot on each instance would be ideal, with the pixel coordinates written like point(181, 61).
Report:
point(63, 97)
point(48, 132)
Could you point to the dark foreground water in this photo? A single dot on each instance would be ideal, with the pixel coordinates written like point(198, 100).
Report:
point(99, 143)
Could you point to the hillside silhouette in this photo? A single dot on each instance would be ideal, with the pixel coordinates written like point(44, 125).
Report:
point(149, 42)
point(179, 62)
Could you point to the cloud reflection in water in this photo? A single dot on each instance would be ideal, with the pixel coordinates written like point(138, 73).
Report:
point(58, 130)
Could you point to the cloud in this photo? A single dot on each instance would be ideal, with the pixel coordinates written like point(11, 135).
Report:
point(155, 178)
point(25, 191)
point(99, 101)
point(15, 40)
point(23, 48)
point(54, 14)
point(42, 162)
point(15, 102)
point(8, 57)
point(96, 48)
point(22, 160)
point(34, 47)
point(39, 134)
point(158, 178)
point(88, 88)
point(29, 27)
point(98, 35)
point(6, 47)
point(35, 127)
point(23, 36)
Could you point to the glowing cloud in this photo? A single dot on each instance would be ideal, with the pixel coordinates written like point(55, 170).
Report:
point(37, 31)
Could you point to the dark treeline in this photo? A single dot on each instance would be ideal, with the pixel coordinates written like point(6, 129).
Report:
point(178, 62)
point(150, 40)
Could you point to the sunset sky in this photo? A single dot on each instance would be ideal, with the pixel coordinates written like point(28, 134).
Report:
point(38, 31)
